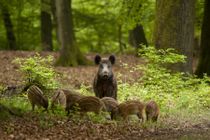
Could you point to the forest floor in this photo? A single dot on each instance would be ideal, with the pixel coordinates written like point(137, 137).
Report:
point(47, 127)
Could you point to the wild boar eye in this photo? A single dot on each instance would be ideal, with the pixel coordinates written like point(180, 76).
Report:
point(101, 66)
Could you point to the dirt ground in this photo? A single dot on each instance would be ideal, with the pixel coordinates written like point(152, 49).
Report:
point(72, 76)
point(48, 127)
point(45, 127)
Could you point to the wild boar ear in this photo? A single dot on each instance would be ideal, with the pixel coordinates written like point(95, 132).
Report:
point(112, 59)
point(97, 59)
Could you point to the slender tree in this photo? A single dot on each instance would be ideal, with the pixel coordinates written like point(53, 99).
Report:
point(174, 28)
point(46, 25)
point(54, 23)
point(70, 54)
point(120, 38)
point(8, 26)
point(137, 36)
point(204, 58)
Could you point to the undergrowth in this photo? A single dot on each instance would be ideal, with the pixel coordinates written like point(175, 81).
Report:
point(39, 71)
point(178, 94)
point(175, 92)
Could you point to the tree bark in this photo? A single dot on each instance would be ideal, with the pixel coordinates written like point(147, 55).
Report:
point(70, 54)
point(174, 28)
point(54, 23)
point(46, 26)
point(120, 38)
point(204, 58)
point(9, 28)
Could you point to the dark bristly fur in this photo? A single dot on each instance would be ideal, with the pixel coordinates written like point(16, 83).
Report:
point(105, 84)
point(36, 97)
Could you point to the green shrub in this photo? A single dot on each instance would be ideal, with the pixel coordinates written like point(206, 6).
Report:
point(172, 90)
point(38, 70)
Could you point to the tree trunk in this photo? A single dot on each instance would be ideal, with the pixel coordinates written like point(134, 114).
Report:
point(174, 28)
point(137, 37)
point(54, 23)
point(204, 60)
point(70, 54)
point(9, 28)
point(46, 26)
point(120, 38)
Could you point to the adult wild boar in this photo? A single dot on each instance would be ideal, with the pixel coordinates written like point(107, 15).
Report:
point(105, 84)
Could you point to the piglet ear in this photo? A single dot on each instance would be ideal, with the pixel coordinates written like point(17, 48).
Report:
point(112, 59)
point(97, 59)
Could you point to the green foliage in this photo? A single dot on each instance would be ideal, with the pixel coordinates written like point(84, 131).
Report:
point(18, 104)
point(84, 90)
point(45, 121)
point(172, 90)
point(97, 118)
point(39, 71)
point(156, 72)
point(135, 12)
point(25, 18)
point(175, 92)
point(160, 57)
point(99, 21)
point(17, 101)
point(96, 21)
point(2, 88)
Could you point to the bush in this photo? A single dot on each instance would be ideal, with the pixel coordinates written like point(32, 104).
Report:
point(39, 71)
point(172, 90)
